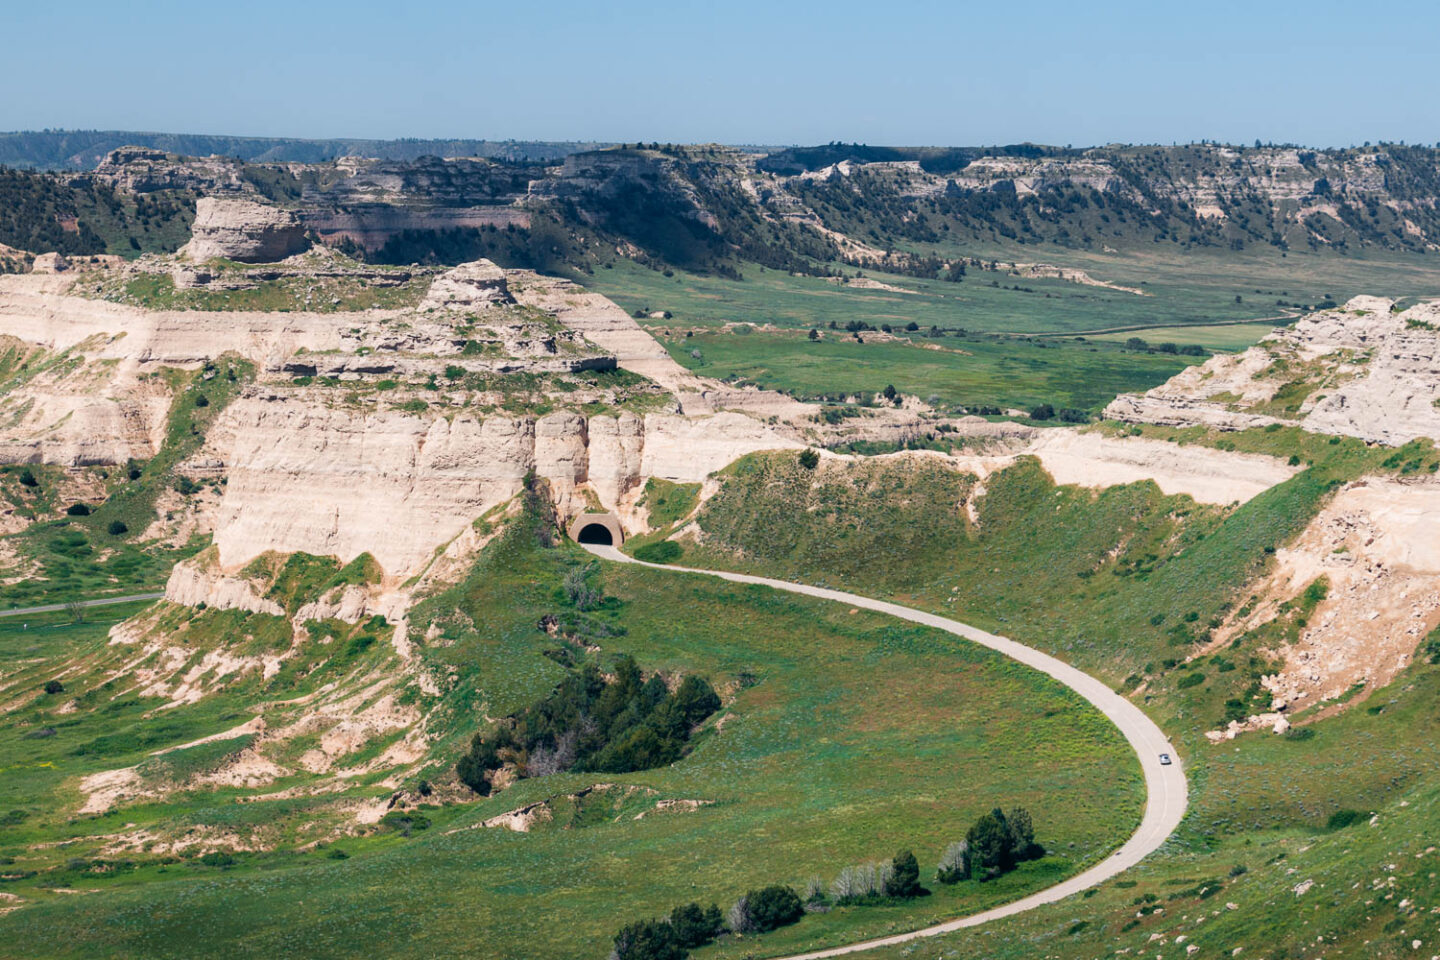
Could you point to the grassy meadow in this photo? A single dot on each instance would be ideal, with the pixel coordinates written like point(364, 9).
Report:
point(951, 373)
point(845, 737)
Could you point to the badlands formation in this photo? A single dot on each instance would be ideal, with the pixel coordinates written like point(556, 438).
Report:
point(389, 430)
point(1367, 370)
point(387, 411)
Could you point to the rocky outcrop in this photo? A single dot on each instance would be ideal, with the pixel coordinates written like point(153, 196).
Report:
point(1376, 545)
point(341, 483)
point(1364, 371)
point(195, 584)
point(470, 286)
point(236, 229)
point(50, 263)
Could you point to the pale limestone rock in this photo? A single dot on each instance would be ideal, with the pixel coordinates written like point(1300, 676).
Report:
point(193, 584)
point(235, 229)
point(1374, 374)
point(50, 263)
point(470, 286)
point(617, 447)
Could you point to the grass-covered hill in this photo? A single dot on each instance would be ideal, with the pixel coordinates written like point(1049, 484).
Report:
point(1316, 836)
point(841, 738)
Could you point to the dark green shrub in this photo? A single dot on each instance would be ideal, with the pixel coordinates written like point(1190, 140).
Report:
point(217, 858)
point(665, 551)
point(989, 841)
point(695, 927)
point(27, 478)
point(1022, 836)
point(1043, 411)
point(117, 528)
point(77, 510)
point(1190, 680)
point(53, 687)
point(809, 459)
point(1341, 819)
point(904, 880)
point(773, 907)
point(405, 821)
point(201, 400)
point(648, 940)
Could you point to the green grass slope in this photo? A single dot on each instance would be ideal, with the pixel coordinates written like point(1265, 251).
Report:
point(845, 736)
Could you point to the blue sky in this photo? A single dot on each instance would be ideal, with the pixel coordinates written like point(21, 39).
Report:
point(885, 71)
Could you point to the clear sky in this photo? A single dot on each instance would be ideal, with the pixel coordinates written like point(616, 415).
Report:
point(735, 71)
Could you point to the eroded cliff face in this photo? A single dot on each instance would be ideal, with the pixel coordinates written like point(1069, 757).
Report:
point(399, 486)
point(1367, 370)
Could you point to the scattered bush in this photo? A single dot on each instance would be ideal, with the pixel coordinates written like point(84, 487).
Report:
point(77, 510)
point(1190, 680)
point(1042, 411)
point(809, 459)
point(27, 478)
point(53, 687)
point(218, 858)
point(117, 528)
point(201, 400)
point(695, 927)
point(578, 589)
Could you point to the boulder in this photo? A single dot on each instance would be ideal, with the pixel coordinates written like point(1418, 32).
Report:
point(50, 263)
point(243, 230)
point(470, 286)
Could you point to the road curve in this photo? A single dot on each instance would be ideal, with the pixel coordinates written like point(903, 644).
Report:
point(1165, 787)
point(56, 607)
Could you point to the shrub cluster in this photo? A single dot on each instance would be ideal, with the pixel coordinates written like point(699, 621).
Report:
point(669, 938)
point(588, 724)
point(994, 845)
point(897, 879)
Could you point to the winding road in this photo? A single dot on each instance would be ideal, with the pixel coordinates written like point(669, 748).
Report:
point(56, 607)
point(1165, 787)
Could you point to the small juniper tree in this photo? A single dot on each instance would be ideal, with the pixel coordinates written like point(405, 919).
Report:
point(989, 841)
point(904, 880)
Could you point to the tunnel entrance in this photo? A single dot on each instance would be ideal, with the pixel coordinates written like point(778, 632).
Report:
point(596, 533)
point(597, 528)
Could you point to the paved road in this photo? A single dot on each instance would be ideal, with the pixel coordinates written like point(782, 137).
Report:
point(56, 607)
point(1165, 786)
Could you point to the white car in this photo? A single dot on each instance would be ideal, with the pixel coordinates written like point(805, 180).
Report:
point(1165, 760)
